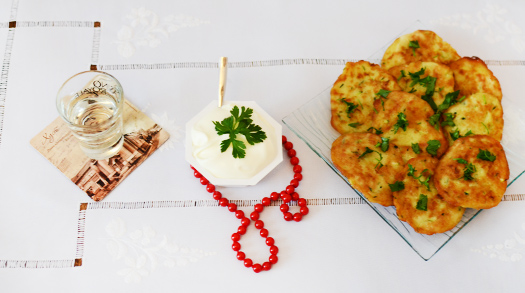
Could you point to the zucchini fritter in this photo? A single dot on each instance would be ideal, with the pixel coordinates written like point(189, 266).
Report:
point(353, 94)
point(404, 119)
point(421, 45)
point(473, 173)
point(477, 114)
point(419, 204)
point(367, 167)
point(472, 76)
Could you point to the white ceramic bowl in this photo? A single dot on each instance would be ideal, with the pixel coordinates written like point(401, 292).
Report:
point(269, 166)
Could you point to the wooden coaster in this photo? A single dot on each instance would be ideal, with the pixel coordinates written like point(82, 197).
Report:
point(97, 178)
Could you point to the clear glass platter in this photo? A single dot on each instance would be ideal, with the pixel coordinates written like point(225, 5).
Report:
point(311, 123)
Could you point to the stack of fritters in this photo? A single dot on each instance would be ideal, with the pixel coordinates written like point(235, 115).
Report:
point(421, 132)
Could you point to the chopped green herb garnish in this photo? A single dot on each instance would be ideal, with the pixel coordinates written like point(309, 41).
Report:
point(384, 144)
point(486, 128)
point(402, 75)
point(411, 170)
point(239, 123)
point(469, 169)
point(350, 107)
point(354, 125)
point(433, 146)
point(382, 94)
point(449, 120)
point(414, 45)
point(397, 186)
point(367, 151)
point(455, 135)
point(486, 155)
point(411, 173)
point(450, 99)
point(415, 148)
point(341, 85)
point(378, 131)
point(401, 122)
point(422, 203)
point(434, 120)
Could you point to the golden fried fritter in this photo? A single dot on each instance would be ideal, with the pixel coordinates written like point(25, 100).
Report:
point(477, 114)
point(368, 168)
point(472, 76)
point(419, 204)
point(420, 45)
point(353, 94)
point(412, 78)
point(404, 119)
point(473, 173)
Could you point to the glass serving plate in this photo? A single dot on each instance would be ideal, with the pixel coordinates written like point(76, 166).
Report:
point(311, 123)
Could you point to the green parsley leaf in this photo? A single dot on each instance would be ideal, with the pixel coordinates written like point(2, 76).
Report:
point(354, 125)
point(455, 135)
point(450, 99)
point(382, 94)
point(378, 131)
point(449, 120)
point(367, 151)
point(434, 120)
point(384, 144)
point(350, 107)
point(239, 123)
point(397, 186)
point(402, 75)
point(422, 203)
point(415, 148)
point(401, 122)
point(416, 76)
point(486, 155)
point(411, 171)
point(469, 169)
point(433, 146)
point(414, 45)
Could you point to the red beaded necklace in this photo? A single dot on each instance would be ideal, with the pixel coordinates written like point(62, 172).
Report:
point(286, 196)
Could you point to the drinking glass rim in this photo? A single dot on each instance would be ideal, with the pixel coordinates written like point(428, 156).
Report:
point(109, 121)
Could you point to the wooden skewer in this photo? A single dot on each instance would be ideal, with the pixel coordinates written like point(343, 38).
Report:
point(222, 79)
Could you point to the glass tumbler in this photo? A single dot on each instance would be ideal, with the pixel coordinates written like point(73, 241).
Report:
point(91, 104)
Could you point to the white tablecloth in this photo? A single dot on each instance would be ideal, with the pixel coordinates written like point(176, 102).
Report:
point(148, 235)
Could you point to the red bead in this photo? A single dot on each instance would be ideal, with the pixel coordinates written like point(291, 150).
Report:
point(284, 208)
point(223, 202)
point(270, 241)
point(241, 255)
point(204, 181)
point(286, 198)
point(248, 262)
point(297, 217)
point(236, 246)
point(295, 196)
point(273, 259)
point(297, 169)
point(217, 195)
point(197, 174)
point(241, 230)
point(257, 268)
point(288, 216)
point(266, 266)
point(292, 153)
point(298, 176)
point(232, 207)
point(294, 160)
point(266, 201)
point(258, 208)
point(274, 196)
point(259, 224)
point(294, 182)
point(254, 216)
point(274, 250)
point(264, 233)
point(290, 189)
point(210, 188)
point(284, 139)
point(193, 168)
point(304, 211)
point(301, 202)
point(245, 222)
point(288, 145)
point(239, 214)
point(236, 237)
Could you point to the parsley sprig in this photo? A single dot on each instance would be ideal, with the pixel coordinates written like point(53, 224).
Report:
point(239, 123)
point(485, 155)
point(402, 122)
point(414, 45)
point(469, 169)
point(424, 182)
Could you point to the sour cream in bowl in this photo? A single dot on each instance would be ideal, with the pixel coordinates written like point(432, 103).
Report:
point(203, 146)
